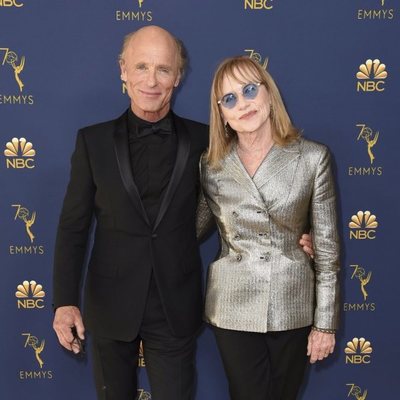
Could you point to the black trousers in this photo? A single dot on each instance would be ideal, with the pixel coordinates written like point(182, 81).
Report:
point(263, 366)
point(169, 359)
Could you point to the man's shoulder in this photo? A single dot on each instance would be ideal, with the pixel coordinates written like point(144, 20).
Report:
point(197, 130)
point(102, 127)
point(191, 123)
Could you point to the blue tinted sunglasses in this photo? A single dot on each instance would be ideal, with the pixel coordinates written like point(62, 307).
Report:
point(249, 91)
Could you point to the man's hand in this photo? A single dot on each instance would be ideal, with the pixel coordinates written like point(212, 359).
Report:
point(320, 345)
point(65, 318)
point(307, 245)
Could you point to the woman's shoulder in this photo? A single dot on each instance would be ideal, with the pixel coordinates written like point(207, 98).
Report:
point(311, 148)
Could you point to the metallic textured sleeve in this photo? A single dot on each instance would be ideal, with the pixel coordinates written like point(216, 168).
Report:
point(326, 246)
point(204, 218)
point(205, 222)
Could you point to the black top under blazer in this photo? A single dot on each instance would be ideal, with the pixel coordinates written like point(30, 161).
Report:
point(126, 247)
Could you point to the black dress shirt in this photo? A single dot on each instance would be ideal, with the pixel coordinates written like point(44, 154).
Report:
point(152, 161)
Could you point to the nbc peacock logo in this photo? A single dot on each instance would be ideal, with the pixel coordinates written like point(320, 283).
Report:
point(19, 154)
point(30, 295)
point(358, 351)
point(371, 76)
point(363, 226)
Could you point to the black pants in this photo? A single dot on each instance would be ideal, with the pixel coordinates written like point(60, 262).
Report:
point(169, 360)
point(263, 366)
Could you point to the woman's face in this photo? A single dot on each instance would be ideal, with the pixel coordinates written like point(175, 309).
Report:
point(248, 114)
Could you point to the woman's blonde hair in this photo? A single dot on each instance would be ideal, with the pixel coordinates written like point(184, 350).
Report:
point(244, 69)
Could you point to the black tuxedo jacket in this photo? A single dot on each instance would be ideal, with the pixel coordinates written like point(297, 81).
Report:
point(126, 247)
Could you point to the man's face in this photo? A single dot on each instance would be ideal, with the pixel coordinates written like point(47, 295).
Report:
point(150, 69)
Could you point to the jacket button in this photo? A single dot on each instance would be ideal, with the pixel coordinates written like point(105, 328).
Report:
point(237, 236)
point(239, 257)
point(267, 256)
point(154, 235)
point(234, 213)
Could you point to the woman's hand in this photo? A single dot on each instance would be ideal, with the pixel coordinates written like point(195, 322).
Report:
point(320, 345)
point(307, 244)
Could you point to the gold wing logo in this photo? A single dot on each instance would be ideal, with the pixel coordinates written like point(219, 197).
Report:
point(27, 288)
point(361, 345)
point(363, 218)
point(19, 147)
point(372, 70)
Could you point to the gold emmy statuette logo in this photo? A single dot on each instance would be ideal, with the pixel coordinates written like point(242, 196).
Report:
point(370, 138)
point(141, 361)
point(360, 275)
point(19, 153)
point(257, 57)
point(143, 395)
point(355, 391)
point(23, 214)
point(364, 278)
point(140, 2)
point(11, 58)
point(364, 224)
point(10, 3)
point(30, 295)
point(33, 342)
point(358, 351)
point(370, 76)
point(258, 4)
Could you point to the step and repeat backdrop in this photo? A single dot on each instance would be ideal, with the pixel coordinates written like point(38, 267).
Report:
point(338, 66)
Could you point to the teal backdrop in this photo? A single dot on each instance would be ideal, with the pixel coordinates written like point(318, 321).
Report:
point(337, 64)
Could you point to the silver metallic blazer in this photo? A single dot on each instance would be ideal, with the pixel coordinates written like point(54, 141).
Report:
point(262, 280)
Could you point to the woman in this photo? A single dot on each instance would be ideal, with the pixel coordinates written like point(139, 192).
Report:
point(269, 305)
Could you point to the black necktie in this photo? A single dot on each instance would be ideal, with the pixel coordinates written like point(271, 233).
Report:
point(163, 127)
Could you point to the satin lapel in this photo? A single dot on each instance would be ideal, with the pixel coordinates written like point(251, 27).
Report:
point(234, 167)
point(182, 155)
point(121, 147)
point(277, 159)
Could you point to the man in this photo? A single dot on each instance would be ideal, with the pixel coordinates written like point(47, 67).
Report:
point(138, 175)
point(144, 278)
